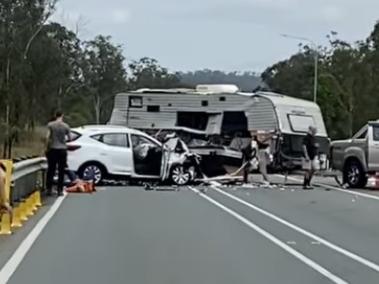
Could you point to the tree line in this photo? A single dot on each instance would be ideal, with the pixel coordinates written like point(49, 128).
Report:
point(44, 66)
point(348, 89)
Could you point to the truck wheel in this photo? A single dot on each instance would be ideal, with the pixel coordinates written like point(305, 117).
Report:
point(354, 174)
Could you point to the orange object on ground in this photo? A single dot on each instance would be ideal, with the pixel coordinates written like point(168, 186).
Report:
point(82, 187)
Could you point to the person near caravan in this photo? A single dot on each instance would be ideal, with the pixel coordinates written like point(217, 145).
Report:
point(263, 144)
point(310, 149)
point(249, 154)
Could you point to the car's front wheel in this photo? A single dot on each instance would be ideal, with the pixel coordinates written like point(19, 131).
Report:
point(92, 171)
point(180, 175)
point(354, 174)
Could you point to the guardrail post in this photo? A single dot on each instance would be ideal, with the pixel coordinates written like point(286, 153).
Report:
point(23, 211)
point(8, 164)
point(16, 220)
point(5, 224)
point(24, 180)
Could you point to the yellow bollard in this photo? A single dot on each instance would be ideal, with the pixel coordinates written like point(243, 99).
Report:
point(33, 201)
point(16, 221)
point(5, 225)
point(37, 196)
point(30, 207)
point(23, 211)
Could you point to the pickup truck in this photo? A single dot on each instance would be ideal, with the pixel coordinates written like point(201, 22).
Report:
point(357, 158)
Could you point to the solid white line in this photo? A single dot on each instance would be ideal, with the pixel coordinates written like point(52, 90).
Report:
point(339, 189)
point(10, 267)
point(319, 239)
point(315, 266)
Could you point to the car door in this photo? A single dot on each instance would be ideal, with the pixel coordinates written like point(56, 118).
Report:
point(341, 148)
point(116, 152)
point(373, 147)
point(147, 156)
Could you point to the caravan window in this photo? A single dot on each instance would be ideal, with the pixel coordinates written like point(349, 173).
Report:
point(194, 120)
point(135, 101)
point(234, 122)
point(300, 123)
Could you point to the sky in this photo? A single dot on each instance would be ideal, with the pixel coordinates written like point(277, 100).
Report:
point(229, 35)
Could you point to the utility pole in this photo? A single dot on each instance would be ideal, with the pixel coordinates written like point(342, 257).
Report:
point(315, 55)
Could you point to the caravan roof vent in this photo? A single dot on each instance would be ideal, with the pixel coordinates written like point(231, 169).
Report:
point(222, 88)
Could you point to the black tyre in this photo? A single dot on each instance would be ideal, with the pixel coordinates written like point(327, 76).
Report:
point(93, 171)
point(354, 174)
point(180, 175)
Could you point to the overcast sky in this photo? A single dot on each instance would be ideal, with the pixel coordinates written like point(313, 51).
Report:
point(217, 34)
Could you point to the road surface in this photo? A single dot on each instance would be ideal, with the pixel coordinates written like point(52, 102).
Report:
point(224, 235)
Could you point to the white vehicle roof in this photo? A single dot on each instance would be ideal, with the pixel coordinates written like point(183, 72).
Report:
point(93, 129)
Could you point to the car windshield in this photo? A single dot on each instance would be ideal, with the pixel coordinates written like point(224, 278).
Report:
point(361, 134)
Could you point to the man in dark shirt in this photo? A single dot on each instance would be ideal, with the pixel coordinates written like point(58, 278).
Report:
point(58, 132)
point(310, 149)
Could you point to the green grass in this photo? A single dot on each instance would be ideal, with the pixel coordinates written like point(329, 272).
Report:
point(29, 144)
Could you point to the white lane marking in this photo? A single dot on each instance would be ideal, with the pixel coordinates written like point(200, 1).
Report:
point(10, 267)
point(319, 239)
point(315, 266)
point(339, 189)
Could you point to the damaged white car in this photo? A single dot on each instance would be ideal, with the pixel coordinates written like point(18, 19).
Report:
point(103, 152)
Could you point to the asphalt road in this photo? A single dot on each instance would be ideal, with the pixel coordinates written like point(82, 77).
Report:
point(225, 235)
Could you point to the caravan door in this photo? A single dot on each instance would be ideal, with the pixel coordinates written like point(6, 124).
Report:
point(214, 124)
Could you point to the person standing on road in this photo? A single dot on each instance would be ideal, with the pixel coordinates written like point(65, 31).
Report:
point(56, 153)
point(263, 145)
point(249, 151)
point(310, 149)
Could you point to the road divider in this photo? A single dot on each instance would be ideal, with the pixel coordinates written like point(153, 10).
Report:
point(23, 183)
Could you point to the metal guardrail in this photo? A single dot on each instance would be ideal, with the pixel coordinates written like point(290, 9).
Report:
point(27, 177)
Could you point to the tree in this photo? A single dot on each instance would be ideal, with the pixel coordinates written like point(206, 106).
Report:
point(293, 77)
point(346, 83)
point(104, 74)
point(147, 73)
point(55, 72)
point(21, 21)
point(246, 81)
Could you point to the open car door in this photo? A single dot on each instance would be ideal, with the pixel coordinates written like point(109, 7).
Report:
point(147, 156)
point(165, 171)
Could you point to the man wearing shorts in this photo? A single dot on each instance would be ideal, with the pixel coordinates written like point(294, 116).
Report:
point(310, 149)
